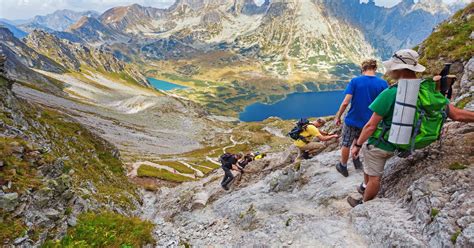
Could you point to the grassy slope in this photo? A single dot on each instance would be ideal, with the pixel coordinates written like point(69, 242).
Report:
point(450, 42)
point(150, 171)
point(86, 158)
point(106, 229)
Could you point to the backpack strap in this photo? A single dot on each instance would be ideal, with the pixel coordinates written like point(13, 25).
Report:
point(445, 114)
point(416, 131)
point(302, 138)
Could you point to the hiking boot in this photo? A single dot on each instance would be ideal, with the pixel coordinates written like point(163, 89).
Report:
point(354, 202)
point(358, 164)
point(225, 187)
point(306, 155)
point(361, 189)
point(342, 169)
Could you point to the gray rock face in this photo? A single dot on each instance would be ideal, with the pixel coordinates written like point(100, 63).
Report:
point(9, 201)
point(466, 238)
point(425, 201)
point(467, 80)
point(386, 225)
point(284, 181)
point(309, 211)
point(390, 29)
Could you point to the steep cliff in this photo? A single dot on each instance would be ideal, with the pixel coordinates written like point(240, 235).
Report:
point(55, 175)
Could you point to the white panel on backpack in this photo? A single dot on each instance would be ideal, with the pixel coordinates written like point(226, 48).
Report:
point(403, 113)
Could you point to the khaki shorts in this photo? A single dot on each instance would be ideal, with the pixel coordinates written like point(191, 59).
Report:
point(312, 147)
point(374, 160)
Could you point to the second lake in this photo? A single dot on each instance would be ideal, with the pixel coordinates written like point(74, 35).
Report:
point(163, 85)
point(295, 106)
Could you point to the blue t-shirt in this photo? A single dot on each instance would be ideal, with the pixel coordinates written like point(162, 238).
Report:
point(364, 90)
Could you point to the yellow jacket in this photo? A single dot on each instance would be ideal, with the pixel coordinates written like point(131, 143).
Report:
point(309, 133)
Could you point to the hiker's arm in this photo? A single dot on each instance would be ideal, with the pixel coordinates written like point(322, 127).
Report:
point(327, 137)
point(461, 115)
point(237, 167)
point(342, 108)
point(368, 130)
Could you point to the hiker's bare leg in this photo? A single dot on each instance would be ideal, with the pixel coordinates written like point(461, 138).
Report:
point(372, 189)
point(345, 151)
point(366, 179)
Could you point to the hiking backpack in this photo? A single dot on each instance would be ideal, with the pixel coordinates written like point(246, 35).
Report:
point(431, 114)
point(225, 157)
point(295, 133)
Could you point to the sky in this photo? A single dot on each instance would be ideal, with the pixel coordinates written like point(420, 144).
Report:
point(24, 9)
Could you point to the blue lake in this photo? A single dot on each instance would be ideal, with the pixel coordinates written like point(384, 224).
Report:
point(163, 85)
point(295, 106)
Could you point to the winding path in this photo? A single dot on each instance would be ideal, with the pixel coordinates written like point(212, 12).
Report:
point(234, 143)
point(197, 172)
point(136, 165)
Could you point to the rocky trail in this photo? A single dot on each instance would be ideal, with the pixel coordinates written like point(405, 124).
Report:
point(310, 204)
point(424, 203)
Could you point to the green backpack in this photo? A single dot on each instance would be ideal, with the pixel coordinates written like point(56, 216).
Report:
point(431, 114)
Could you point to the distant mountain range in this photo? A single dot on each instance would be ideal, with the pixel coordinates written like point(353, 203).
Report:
point(324, 37)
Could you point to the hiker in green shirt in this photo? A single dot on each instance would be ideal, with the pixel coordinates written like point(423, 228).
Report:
point(403, 65)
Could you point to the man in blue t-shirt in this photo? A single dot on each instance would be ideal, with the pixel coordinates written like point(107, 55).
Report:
point(360, 93)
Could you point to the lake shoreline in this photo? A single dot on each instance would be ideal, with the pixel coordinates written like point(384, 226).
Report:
point(294, 106)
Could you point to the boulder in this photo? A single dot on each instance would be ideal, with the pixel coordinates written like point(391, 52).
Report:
point(285, 181)
point(200, 200)
point(52, 213)
point(8, 202)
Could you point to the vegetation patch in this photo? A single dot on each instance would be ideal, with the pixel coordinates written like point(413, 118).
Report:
point(434, 213)
point(150, 171)
point(463, 102)
point(10, 228)
point(455, 236)
point(457, 166)
point(16, 168)
point(106, 229)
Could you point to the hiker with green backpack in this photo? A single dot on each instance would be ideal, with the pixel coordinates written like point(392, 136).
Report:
point(388, 130)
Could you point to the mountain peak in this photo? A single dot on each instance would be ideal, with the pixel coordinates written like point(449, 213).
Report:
point(84, 21)
point(59, 20)
point(432, 6)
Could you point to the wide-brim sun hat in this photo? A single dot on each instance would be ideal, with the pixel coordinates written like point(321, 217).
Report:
point(404, 59)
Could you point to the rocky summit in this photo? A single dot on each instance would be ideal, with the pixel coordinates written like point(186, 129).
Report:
point(112, 126)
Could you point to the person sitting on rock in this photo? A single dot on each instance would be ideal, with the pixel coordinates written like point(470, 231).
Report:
point(307, 146)
point(360, 93)
point(229, 162)
point(403, 65)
